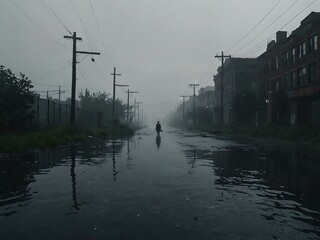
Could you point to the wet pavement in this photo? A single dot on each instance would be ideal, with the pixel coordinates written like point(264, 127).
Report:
point(177, 186)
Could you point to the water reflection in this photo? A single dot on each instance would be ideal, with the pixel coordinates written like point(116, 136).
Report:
point(73, 176)
point(224, 192)
point(158, 141)
point(129, 165)
point(17, 172)
point(282, 187)
point(115, 172)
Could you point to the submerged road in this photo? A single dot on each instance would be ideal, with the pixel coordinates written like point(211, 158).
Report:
point(180, 186)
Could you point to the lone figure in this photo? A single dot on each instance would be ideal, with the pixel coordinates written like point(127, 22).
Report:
point(158, 128)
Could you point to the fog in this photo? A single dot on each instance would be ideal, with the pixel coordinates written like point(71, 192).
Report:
point(159, 46)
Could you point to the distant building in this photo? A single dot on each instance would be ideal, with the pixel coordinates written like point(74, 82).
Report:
point(240, 75)
point(288, 76)
point(206, 97)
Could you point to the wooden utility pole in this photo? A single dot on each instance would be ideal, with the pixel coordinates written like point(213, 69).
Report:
point(74, 74)
point(48, 109)
point(138, 103)
point(194, 102)
point(128, 106)
point(183, 117)
point(134, 111)
point(60, 103)
point(114, 90)
point(222, 58)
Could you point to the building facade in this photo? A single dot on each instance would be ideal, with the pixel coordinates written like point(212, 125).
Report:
point(288, 76)
point(239, 77)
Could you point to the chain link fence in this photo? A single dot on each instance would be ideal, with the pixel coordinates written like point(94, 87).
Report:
point(48, 113)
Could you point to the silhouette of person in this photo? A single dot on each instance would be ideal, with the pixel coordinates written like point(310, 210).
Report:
point(158, 128)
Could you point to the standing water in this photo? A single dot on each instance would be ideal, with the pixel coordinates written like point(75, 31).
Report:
point(174, 186)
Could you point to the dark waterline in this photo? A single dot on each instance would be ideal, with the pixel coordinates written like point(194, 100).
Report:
point(176, 186)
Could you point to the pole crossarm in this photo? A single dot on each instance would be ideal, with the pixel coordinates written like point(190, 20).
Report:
point(222, 57)
point(91, 53)
point(72, 37)
point(122, 85)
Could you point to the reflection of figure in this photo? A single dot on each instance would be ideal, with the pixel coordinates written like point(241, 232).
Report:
point(128, 152)
point(114, 161)
point(158, 128)
point(158, 141)
point(73, 177)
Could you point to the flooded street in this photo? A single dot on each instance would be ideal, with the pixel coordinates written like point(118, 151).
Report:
point(180, 186)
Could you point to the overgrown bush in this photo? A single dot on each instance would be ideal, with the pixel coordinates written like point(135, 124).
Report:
point(15, 102)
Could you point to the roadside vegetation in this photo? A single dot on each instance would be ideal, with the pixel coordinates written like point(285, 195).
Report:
point(19, 130)
point(15, 142)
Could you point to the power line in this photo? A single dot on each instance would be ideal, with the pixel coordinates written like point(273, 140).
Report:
point(254, 26)
point(36, 24)
point(86, 32)
point(48, 85)
point(255, 48)
point(258, 35)
point(88, 81)
point(99, 30)
point(43, 77)
point(298, 14)
point(47, 6)
point(295, 15)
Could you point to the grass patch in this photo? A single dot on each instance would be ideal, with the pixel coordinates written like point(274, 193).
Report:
point(13, 142)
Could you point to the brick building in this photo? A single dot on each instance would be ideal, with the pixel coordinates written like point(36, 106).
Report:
point(288, 76)
point(240, 75)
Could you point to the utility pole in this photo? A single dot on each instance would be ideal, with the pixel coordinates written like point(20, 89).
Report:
point(142, 117)
point(138, 103)
point(60, 103)
point(134, 111)
point(222, 58)
point(48, 109)
point(183, 97)
point(114, 90)
point(194, 102)
point(74, 74)
point(128, 106)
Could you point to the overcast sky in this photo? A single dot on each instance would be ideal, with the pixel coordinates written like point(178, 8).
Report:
point(159, 46)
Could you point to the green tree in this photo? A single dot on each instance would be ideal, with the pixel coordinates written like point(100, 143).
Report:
point(101, 102)
point(16, 100)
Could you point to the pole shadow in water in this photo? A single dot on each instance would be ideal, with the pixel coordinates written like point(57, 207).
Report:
point(73, 177)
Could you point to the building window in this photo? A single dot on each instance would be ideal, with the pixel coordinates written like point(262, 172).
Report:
point(276, 62)
point(302, 76)
point(292, 55)
point(302, 48)
point(285, 58)
point(313, 43)
point(312, 69)
point(269, 66)
point(292, 79)
point(286, 81)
